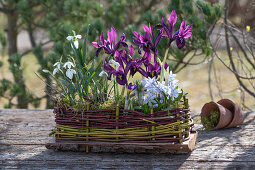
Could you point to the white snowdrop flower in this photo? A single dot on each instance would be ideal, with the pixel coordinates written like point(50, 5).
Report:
point(70, 73)
point(57, 65)
point(102, 73)
point(69, 64)
point(75, 40)
point(69, 38)
point(45, 71)
point(114, 63)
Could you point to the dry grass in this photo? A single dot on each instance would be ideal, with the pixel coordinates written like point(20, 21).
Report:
point(193, 80)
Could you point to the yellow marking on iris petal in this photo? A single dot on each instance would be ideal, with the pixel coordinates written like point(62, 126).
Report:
point(248, 28)
point(181, 40)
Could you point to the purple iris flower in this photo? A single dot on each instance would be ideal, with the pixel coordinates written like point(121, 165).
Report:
point(154, 70)
point(109, 45)
point(171, 22)
point(131, 86)
point(147, 41)
point(120, 73)
point(182, 34)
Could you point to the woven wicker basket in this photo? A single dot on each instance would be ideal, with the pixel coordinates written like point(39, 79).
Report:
point(170, 126)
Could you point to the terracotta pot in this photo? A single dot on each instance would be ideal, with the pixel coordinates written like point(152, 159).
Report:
point(238, 116)
point(225, 115)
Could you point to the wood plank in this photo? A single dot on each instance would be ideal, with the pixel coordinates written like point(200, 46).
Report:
point(108, 147)
point(23, 134)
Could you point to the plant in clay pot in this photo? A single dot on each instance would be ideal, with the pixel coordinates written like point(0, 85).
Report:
point(215, 116)
point(210, 122)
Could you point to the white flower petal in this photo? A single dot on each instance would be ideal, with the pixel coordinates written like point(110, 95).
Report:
point(73, 71)
point(114, 63)
point(70, 73)
point(45, 71)
point(69, 64)
point(57, 63)
point(78, 36)
point(55, 71)
point(69, 38)
point(76, 44)
point(102, 73)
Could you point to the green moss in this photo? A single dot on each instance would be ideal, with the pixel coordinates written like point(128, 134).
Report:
point(66, 103)
point(211, 121)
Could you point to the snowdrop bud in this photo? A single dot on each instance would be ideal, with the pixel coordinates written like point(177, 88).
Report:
point(45, 71)
point(102, 73)
point(114, 63)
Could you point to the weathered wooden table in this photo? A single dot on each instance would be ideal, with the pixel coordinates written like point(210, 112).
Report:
point(23, 134)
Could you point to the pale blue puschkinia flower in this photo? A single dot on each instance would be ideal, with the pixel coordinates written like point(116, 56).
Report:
point(69, 72)
point(75, 40)
point(154, 89)
point(57, 65)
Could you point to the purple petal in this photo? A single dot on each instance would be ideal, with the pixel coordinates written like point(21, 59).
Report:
point(158, 27)
point(158, 39)
point(124, 44)
point(132, 86)
point(135, 34)
point(95, 44)
point(147, 56)
point(121, 78)
point(114, 34)
point(123, 37)
point(150, 28)
point(172, 19)
point(146, 29)
point(98, 50)
point(131, 50)
point(187, 35)
point(127, 67)
point(109, 36)
point(102, 38)
point(165, 66)
point(180, 42)
point(142, 72)
point(182, 27)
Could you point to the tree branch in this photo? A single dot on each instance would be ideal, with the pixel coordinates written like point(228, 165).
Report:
point(229, 52)
point(30, 50)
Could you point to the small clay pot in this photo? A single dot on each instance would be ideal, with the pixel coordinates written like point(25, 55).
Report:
point(238, 116)
point(225, 115)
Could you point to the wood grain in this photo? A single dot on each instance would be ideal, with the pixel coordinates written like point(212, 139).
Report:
point(23, 134)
